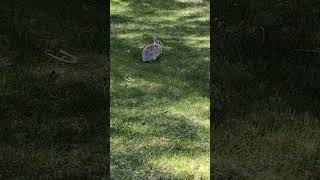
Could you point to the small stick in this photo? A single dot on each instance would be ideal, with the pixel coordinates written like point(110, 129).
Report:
point(309, 50)
point(60, 59)
point(65, 53)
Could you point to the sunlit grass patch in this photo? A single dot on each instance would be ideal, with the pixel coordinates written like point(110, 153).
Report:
point(183, 166)
point(159, 115)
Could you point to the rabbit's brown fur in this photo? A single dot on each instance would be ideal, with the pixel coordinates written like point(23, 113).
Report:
point(152, 52)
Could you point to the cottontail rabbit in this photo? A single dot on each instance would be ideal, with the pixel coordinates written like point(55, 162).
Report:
point(152, 52)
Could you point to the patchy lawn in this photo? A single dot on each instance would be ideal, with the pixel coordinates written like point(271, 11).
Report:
point(160, 111)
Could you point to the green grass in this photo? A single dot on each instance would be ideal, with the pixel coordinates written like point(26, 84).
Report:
point(52, 126)
point(260, 135)
point(160, 111)
point(267, 119)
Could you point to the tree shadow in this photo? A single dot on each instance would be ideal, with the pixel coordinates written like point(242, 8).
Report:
point(137, 6)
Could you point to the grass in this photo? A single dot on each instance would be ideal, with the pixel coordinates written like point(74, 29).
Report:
point(160, 111)
point(267, 119)
point(53, 125)
point(51, 129)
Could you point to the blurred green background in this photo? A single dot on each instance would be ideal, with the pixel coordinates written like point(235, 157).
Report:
point(52, 114)
point(266, 89)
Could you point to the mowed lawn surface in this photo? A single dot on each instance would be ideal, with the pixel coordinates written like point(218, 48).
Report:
point(160, 111)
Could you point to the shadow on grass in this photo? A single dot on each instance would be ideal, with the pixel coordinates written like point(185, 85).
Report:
point(52, 124)
point(53, 127)
point(268, 114)
point(137, 6)
point(268, 123)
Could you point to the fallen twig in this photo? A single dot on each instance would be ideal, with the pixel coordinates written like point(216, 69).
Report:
point(317, 50)
point(65, 53)
point(74, 59)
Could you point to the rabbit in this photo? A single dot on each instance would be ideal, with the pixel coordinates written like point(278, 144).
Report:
point(152, 52)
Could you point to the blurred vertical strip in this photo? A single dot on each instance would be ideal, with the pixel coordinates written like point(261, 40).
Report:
point(212, 147)
point(107, 85)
